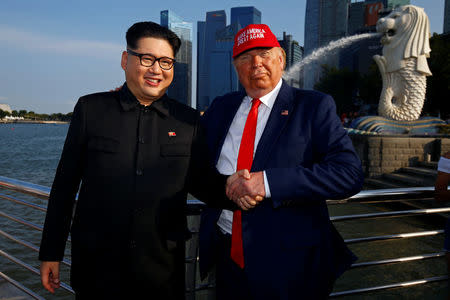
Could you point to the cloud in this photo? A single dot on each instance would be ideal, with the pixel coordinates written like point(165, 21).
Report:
point(3, 98)
point(32, 41)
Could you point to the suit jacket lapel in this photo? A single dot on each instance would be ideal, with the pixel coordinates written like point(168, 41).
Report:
point(229, 111)
point(278, 118)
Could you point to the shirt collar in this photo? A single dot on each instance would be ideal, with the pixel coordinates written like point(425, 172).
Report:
point(130, 102)
point(268, 99)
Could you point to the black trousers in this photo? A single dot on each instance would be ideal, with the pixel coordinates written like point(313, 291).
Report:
point(231, 280)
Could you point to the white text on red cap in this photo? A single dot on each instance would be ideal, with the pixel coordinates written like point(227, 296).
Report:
point(250, 34)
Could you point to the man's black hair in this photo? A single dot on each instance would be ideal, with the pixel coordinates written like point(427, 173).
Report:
point(150, 29)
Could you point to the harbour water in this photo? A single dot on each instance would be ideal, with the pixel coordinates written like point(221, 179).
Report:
point(30, 152)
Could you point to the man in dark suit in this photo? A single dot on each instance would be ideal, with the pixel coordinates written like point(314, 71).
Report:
point(137, 153)
point(282, 245)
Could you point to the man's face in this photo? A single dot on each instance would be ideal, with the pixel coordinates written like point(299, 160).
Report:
point(259, 70)
point(148, 83)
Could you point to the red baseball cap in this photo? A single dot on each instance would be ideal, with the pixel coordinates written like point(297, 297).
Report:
point(254, 36)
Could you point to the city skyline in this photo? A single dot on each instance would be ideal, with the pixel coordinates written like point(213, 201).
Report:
point(216, 75)
point(54, 52)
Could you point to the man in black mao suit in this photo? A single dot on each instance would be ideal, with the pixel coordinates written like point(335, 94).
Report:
point(136, 153)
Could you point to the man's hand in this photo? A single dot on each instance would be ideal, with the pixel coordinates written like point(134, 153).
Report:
point(246, 189)
point(50, 275)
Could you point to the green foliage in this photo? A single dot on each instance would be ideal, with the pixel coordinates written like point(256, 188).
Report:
point(370, 85)
point(342, 84)
point(444, 129)
point(31, 115)
point(3, 113)
point(438, 85)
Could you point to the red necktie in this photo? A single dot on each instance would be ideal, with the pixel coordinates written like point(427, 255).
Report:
point(244, 161)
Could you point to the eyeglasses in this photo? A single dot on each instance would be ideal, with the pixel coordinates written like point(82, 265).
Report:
point(148, 60)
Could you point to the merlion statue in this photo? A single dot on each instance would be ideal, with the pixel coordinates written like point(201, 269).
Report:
point(403, 66)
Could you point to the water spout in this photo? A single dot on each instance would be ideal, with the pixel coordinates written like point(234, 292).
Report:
point(320, 52)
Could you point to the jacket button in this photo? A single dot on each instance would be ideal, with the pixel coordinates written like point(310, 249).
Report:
point(141, 140)
point(139, 172)
point(132, 244)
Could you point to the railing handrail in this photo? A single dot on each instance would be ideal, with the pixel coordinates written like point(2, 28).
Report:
point(25, 187)
point(43, 191)
point(195, 206)
point(32, 269)
point(388, 286)
point(21, 287)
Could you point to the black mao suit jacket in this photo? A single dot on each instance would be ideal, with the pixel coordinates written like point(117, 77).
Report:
point(136, 165)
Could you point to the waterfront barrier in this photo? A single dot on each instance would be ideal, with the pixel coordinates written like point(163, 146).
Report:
point(415, 199)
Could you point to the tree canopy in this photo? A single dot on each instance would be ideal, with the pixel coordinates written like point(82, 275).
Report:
point(438, 85)
point(31, 115)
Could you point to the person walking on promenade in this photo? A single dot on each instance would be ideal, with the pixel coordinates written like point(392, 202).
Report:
point(443, 194)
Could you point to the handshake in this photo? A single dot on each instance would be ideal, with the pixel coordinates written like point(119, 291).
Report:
point(246, 189)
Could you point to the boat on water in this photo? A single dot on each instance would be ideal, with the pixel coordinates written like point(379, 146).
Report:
point(397, 239)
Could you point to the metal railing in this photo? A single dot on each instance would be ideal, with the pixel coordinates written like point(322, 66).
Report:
point(194, 208)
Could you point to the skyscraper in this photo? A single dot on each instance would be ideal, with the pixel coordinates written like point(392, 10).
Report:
point(363, 16)
point(245, 15)
point(215, 73)
point(447, 16)
point(325, 21)
point(391, 4)
point(180, 89)
point(294, 54)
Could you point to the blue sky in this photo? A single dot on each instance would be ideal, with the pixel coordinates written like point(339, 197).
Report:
point(53, 52)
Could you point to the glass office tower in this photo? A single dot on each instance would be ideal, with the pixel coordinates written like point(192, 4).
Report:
point(180, 89)
point(215, 73)
point(325, 21)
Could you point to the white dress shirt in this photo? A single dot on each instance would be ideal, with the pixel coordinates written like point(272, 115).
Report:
point(443, 165)
point(230, 150)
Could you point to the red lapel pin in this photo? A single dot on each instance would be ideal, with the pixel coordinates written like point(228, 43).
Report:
point(284, 112)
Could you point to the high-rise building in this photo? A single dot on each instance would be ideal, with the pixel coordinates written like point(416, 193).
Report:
point(325, 21)
point(245, 15)
point(447, 16)
point(391, 4)
point(180, 89)
point(215, 72)
point(363, 16)
point(294, 54)
point(356, 17)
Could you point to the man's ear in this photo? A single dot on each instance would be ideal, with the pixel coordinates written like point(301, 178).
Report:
point(282, 58)
point(124, 60)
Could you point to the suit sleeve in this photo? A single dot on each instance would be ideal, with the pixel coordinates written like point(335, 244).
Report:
point(336, 172)
point(204, 181)
point(64, 188)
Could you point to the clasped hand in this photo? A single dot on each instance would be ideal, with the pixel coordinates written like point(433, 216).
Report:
point(246, 189)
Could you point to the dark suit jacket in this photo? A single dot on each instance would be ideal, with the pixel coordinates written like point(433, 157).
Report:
point(136, 166)
point(290, 246)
